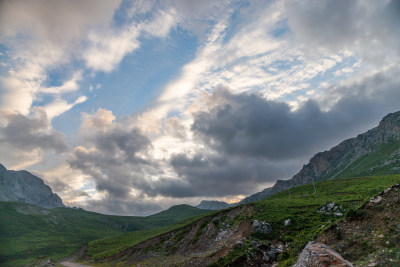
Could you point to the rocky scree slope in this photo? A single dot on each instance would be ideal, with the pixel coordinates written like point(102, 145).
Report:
point(198, 244)
point(22, 186)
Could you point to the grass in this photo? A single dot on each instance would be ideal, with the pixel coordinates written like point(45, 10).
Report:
point(301, 205)
point(379, 162)
point(109, 246)
point(28, 232)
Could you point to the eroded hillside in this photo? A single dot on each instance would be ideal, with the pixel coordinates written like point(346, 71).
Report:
point(268, 232)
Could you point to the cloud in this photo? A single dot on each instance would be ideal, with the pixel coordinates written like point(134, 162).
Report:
point(366, 26)
point(59, 106)
point(100, 121)
point(40, 37)
point(54, 21)
point(210, 175)
point(139, 207)
point(244, 140)
point(28, 138)
point(32, 132)
point(117, 161)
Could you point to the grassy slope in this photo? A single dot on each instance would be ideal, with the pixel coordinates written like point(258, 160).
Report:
point(300, 206)
point(381, 161)
point(27, 231)
point(109, 246)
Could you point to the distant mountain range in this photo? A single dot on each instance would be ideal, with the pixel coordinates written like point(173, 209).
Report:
point(22, 186)
point(374, 152)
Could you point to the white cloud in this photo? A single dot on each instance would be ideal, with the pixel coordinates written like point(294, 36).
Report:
point(107, 50)
point(100, 121)
point(68, 86)
point(59, 106)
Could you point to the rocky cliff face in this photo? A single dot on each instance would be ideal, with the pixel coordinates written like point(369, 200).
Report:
point(22, 186)
point(330, 164)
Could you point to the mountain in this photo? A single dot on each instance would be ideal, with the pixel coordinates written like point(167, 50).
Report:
point(256, 197)
point(28, 231)
point(374, 152)
point(22, 186)
point(213, 205)
point(175, 214)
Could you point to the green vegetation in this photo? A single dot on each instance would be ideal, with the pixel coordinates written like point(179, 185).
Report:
point(383, 160)
point(301, 207)
point(28, 232)
point(106, 247)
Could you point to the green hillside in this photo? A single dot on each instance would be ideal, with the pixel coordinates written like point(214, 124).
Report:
point(384, 159)
point(28, 231)
point(300, 204)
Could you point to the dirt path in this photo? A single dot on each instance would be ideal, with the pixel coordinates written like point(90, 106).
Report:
point(72, 264)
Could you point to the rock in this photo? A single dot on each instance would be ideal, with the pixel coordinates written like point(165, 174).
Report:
point(332, 208)
point(265, 257)
point(262, 227)
point(223, 234)
point(168, 244)
point(376, 200)
point(387, 190)
point(22, 186)
point(239, 243)
point(288, 222)
point(317, 254)
point(272, 252)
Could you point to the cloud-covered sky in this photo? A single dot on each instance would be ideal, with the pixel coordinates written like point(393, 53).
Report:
point(129, 107)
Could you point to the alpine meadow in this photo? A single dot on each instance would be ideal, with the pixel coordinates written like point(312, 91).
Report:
point(199, 133)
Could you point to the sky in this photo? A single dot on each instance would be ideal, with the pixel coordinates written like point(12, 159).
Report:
point(129, 107)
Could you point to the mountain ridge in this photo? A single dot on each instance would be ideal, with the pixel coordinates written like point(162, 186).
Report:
point(333, 163)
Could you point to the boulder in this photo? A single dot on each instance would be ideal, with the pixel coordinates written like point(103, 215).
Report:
point(288, 222)
point(376, 200)
point(262, 227)
point(320, 255)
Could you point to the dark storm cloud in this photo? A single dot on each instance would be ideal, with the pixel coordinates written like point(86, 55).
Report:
point(252, 140)
point(123, 207)
point(33, 132)
point(117, 164)
point(219, 175)
point(248, 125)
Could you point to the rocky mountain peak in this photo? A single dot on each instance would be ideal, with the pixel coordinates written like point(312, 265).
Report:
point(22, 186)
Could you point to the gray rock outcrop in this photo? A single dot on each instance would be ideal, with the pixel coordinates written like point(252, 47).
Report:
point(262, 227)
point(332, 208)
point(22, 186)
point(320, 255)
